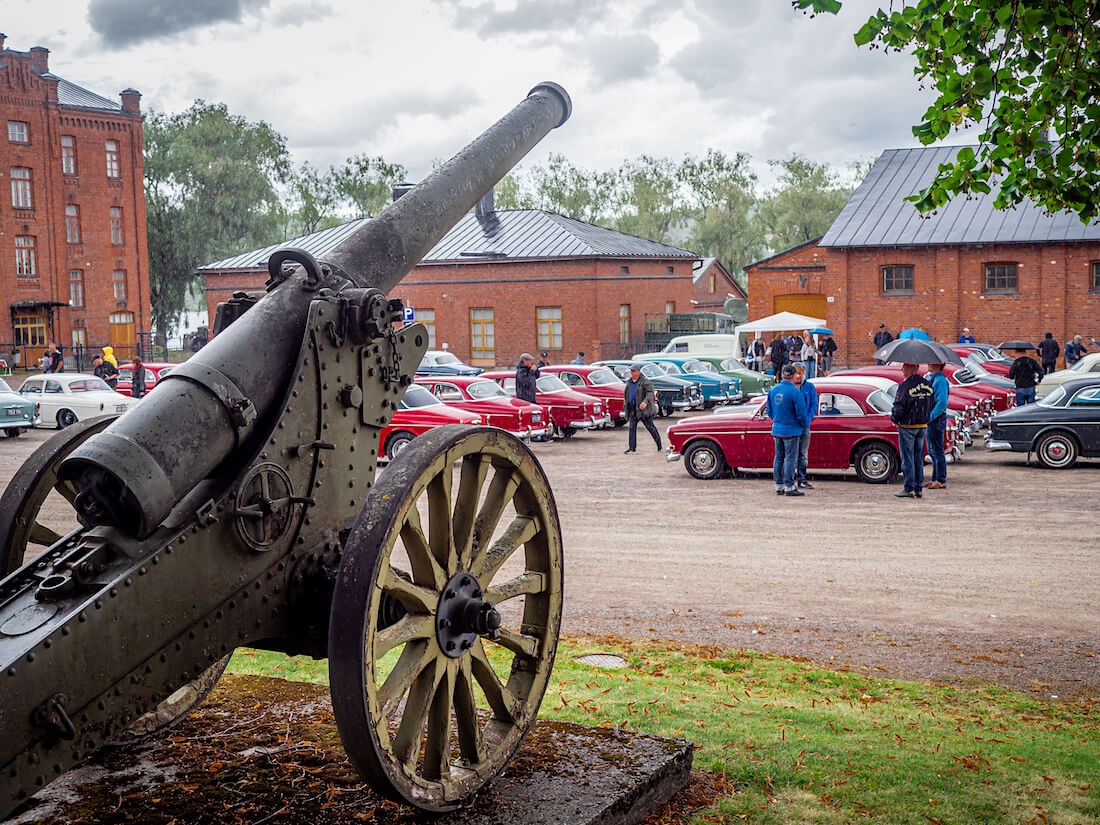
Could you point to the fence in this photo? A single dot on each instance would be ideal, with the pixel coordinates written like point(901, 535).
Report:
point(77, 359)
point(620, 350)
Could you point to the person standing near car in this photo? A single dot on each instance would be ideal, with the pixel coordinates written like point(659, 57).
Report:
point(759, 350)
point(105, 370)
point(579, 360)
point(526, 377)
point(1048, 353)
point(966, 337)
point(137, 383)
point(912, 409)
point(937, 424)
point(1025, 373)
point(828, 347)
point(1075, 351)
point(786, 407)
point(881, 339)
point(57, 363)
point(809, 355)
point(641, 405)
point(777, 352)
point(809, 391)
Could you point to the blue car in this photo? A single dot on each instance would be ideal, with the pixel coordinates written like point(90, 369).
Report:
point(717, 388)
point(17, 414)
point(441, 362)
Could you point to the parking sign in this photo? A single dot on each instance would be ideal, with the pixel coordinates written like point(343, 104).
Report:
point(408, 315)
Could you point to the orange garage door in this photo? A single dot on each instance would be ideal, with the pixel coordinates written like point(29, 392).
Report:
point(802, 303)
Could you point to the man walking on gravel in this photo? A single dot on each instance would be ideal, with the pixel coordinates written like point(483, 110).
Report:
point(786, 407)
point(641, 405)
point(912, 408)
point(1048, 352)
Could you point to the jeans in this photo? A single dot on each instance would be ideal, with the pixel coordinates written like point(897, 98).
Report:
point(811, 368)
point(936, 429)
point(1049, 367)
point(803, 456)
point(911, 441)
point(632, 420)
point(786, 460)
point(1025, 395)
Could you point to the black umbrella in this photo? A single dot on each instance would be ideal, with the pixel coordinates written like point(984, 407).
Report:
point(916, 351)
point(1020, 345)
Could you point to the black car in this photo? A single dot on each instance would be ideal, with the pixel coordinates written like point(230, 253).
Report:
point(672, 393)
point(1062, 427)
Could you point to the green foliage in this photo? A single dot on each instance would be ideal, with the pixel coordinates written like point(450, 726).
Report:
point(648, 189)
point(569, 190)
point(1024, 72)
point(366, 183)
point(809, 196)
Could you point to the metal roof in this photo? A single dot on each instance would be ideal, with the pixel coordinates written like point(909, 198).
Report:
point(69, 94)
point(877, 214)
point(317, 244)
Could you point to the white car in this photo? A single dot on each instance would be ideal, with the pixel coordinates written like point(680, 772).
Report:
point(1089, 365)
point(67, 397)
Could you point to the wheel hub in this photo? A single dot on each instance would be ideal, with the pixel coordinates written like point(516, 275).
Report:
point(462, 615)
point(1057, 450)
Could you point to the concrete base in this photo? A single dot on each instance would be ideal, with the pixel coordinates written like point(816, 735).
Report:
point(267, 750)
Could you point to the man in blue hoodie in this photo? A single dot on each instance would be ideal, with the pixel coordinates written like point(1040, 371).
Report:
point(786, 407)
point(937, 424)
point(809, 391)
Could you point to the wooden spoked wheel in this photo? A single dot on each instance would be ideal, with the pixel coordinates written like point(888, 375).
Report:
point(445, 616)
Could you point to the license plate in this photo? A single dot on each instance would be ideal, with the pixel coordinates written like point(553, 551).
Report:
point(11, 411)
point(120, 408)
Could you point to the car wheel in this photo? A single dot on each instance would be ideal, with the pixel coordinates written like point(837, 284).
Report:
point(1057, 451)
point(877, 463)
point(704, 460)
point(664, 411)
point(14, 432)
point(397, 442)
point(66, 418)
point(568, 432)
point(620, 422)
point(709, 405)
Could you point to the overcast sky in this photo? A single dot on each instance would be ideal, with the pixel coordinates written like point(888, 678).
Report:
point(414, 80)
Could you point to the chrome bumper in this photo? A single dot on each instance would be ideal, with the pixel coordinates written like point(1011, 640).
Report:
point(533, 432)
point(590, 423)
point(671, 455)
point(683, 405)
point(992, 444)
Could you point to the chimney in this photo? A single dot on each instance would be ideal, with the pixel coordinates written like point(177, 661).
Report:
point(3, 37)
point(51, 86)
point(131, 100)
point(400, 189)
point(40, 58)
point(486, 209)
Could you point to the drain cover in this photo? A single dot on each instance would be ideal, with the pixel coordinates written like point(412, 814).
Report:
point(608, 660)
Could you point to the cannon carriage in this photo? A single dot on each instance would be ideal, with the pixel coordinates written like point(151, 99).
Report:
point(239, 505)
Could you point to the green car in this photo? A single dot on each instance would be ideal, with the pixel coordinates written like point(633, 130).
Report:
point(752, 382)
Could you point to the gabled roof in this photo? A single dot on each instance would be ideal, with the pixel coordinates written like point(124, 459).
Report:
point(69, 94)
point(317, 244)
point(701, 267)
point(877, 214)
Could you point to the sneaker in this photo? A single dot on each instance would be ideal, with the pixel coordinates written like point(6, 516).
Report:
point(805, 485)
point(794, 493)
point(918, 494)
point(904, 494)
point(779, 492)
point(660, 449)
point(627, 451)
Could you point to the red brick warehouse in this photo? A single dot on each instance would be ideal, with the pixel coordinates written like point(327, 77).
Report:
point(1004, 274)
point(503, 283)
point(72, 228)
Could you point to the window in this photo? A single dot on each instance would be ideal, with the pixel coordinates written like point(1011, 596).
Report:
point(481, 334)
point(835, 404)
point(19, 132)
point(624, 270)
point(897, 279)
point(1096, 277)
point(427, 318)
point(713, 282)
point(113, 160)
point(21, 188)
point(1000, 278)
point(25, 266)
point(76, 287)
point(549, 327)
point(116, 225)
point(30, 331)
point(670, 307)
point(624, 323)
point(670, 270)
point(118, 278)
point(571, 379)
point(448, 392)
point(68, 155)
point(80, 338)
point(72, 223)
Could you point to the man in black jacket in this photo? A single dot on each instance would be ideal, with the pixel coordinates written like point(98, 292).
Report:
point(777, 352)
point(881, 339)
point(1025, 372)
point(526, 376)
point(912, 408)
point(1048, 353)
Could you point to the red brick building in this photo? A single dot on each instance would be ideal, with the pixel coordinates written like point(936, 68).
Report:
point(502, 283)
point(73, 251)
point(1004, 274)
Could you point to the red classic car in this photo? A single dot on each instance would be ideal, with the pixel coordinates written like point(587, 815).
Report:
point(153, 372)
point(852, 429)
point(989, 357)
point(599, 382)
point(569, 410)
point(979, 403)
point(417, 413)
point(499, 409)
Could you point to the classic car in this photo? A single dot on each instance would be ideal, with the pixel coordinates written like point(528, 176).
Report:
point(992, 358)
point(441, 362)
point(1001, 390)
point(852, 429)
point(569, 410)
point(597, 381)
point(486, 398)
point(1089, 365)
point(417, 413)
point(716, 388)
point(752, 382)
point(672, 393)
point(154, 371)
point(1062, 427)
point(17, 415)
point(979, 402)
point(64, 398)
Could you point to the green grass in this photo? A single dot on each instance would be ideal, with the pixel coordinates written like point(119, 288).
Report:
point(801, 744)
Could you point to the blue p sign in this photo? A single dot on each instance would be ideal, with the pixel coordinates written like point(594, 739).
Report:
point(408, 315)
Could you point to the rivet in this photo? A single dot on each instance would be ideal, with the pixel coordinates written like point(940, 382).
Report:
point(31, 657)
point(48, 643)
point(112, 593)
point(141, 571)
point(98, 604)
point(128, 582)
point(65, 631)
point(11, 671)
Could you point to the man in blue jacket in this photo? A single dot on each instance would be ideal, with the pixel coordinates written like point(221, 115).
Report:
point(809, 392)
point(786, 407)
point(937, 424)
point(912, 406)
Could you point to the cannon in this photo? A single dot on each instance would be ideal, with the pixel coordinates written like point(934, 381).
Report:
point(238, 505)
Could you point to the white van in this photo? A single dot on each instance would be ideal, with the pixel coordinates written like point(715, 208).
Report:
point(710, 343)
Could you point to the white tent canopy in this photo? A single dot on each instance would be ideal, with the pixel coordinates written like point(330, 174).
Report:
point(779, 322)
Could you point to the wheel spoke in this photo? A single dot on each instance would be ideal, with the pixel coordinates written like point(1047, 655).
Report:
point(408, 628)
point(41, 534)
point(466, 721)
point(497, 695)
point(501, 491)
point(406, 744)
point(414, 658)
point(437, 742)
point(518, 642)
point(440, 533)
point(415, 598)
point(68, 490)
point(527, 584)
point(474, 470)
point(519, 532)
point(425, 569)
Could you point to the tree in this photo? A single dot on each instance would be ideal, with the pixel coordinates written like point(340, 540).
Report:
point(807, 200)
point(1026, 73)
point(649, 198)
point(568, 190)
point(210, 192)
point(316, 199)
point(366, 183)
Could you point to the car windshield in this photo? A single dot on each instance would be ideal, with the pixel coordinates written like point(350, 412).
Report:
point(977, 355)
point(974, 366)
point(447, 358)
point(668, 368)
point(602, 377)
point(4, 386)
point(699, 366)
point(1081, 366)
point(1053, 398)
point(733, 364)
point(485, 389)
point(550, 383)
point(417, 396)
point(650, 371)
point(89, 385)
point(881, 401)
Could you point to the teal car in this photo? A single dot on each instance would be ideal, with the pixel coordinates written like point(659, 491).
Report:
point(752, 382)
point(717, 388)
point(17, 414)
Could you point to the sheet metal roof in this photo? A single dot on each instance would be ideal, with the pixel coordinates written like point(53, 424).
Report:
point(69, 94)
point(877, 214)
point(317, 244)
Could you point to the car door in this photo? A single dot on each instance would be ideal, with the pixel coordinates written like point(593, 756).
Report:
point(1083, 412)
point(839, 424)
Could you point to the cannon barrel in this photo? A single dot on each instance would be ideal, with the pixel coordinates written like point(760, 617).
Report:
point(132, 475)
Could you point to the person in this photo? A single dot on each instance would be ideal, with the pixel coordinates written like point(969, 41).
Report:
point(109, 356)
point(44, 361)
point(881, 339)
point(803, 462)
point(57, 363)
point(966, 337)
point(105, 370)
point(579, 359)
point(641, 405)
point(544, 360)
point(526, 376)
point(137, 383)
point(1025, 373)
point(912, 408)
point(794, 346)
point(777, 352)
point(809, 355)
point(758, 349)
point(1075, 351)
point(1048, 353)
point(937, 424)
point(828, 347)
point(786, 407)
